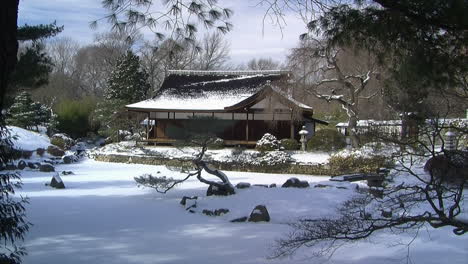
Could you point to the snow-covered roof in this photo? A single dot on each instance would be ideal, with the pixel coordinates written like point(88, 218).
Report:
point(212, 90)
point(442, 122)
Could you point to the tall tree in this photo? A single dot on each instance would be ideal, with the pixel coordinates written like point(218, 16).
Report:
point(214, 52)
point(128, 82)
point(262, 64)
point(340, 75)
point(12, 211)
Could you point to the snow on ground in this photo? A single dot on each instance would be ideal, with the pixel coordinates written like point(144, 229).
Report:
point(222, 155)
point(103, 217)
point(23, 139)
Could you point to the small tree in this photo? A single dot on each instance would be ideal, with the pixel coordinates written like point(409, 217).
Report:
point(129, 81)
point(28, 114)
point(433, 197)
point(199, 132)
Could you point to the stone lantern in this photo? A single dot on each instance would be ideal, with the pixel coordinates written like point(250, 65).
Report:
point(303, 133)
point(450, 138)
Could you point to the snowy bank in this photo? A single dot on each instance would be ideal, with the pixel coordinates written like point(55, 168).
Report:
point(27, 140)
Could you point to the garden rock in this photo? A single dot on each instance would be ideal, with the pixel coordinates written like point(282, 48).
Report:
point(11, 167)
point(34, 165)
point(259, 214)
point(215, 190)
point(40, 151)
point(243, 185)
point(273, 185)
point(57, 182)
point(386, 214)
point(67, 172)
point(55, 151)
point(46, 168)
point(185, 198)
point(69, 159)
point(217, 212)
point(240, 219)
point(22, 164)
point(295, 183)
point(321, 186)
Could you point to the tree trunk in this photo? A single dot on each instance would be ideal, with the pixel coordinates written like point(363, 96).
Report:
point(8, 45)
point(352, 128)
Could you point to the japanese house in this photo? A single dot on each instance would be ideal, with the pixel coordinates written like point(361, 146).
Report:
point(247, 104)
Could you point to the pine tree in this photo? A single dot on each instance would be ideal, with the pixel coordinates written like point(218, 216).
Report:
point(129, 81)
point(21, 113)
point(26, 113)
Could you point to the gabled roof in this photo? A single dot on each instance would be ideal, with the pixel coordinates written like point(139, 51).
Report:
point(214, 90)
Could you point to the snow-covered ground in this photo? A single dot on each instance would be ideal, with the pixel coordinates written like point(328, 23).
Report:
point(27, 140)
point(103, 217)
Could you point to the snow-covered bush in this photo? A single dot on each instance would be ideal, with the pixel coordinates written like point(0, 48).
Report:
point(62, 141)
point(273, 158)
point(216, 143)
point(289, 144)
point(326, 140)
point(28, 114)
point(357, 164)
point(267, 143)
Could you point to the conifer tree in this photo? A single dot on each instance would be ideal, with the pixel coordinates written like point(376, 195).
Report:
point(129, 81)
point(21, 113)
point(26, 113)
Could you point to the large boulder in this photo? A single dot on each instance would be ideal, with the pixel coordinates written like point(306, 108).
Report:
point(295, 183)
point(242, 185)
point(40, 151)
point(57, 182)
point(259, 214)
point(69, 159)
point(46, 168)
point(189, 202)
point(33, 165)
point(452, 165)
point(22, 164)
point(221, 191)
point(55, 151)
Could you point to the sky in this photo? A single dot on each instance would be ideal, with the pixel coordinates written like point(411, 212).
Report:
point(248, 39)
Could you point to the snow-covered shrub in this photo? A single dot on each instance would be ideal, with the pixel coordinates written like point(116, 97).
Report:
point(326, 140)
point(357, 164)
point(273, 158)
point(267, 143)
point(62, 141)
point(216, 143)
point(28, 114)
point(289, 144)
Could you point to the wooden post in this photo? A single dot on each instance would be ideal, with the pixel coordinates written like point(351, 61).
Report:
point(247, 127)
point(292, 126)
point(147, 125)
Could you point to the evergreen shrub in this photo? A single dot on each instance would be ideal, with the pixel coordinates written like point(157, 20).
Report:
point(73, 116)
point(326, 140)
point(267, 143)
point(357, 164)
point(289, 144)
